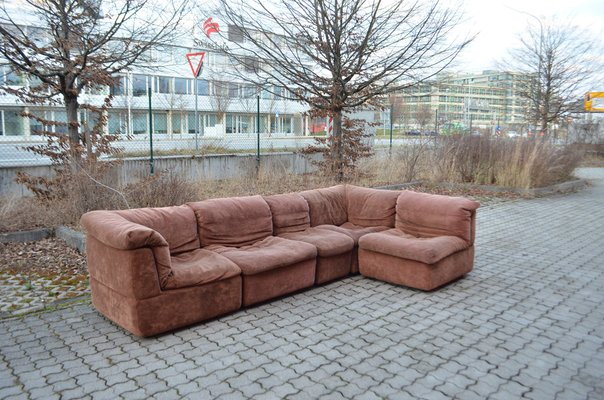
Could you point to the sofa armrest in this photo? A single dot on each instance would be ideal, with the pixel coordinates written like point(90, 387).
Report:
point(430, 215)
point(116, 231)
point(132, 259)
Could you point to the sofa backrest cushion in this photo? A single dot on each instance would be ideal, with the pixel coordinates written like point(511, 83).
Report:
point(371, 207)
point(233, 221)
point(177, 225)
point(430, 215)
point(290, 213)
point(327, 206)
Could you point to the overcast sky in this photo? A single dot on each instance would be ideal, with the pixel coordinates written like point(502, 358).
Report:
point(499, 22)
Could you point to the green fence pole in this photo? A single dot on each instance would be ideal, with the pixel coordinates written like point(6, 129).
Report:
point(258, 130)
point(150, 134)
point(391, 111)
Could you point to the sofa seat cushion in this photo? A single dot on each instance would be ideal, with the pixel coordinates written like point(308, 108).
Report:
point(198, 267)
point(328, 243)
point(403, 245)
point(355, 232)
point(265, 255)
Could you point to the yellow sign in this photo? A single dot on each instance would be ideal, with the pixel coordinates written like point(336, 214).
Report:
point(594, 101)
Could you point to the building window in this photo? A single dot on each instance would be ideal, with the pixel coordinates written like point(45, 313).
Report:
point(203, 88)
point(139, 85)
point(235, 33)
point(160, 123)
point(181, 85)
point(248, 91)
point(233, 90)
point(118, 88)
point(139, 123)
point(250, 64)
point(117, 123)
point(177, 121)
point(12, 78)
point(11, 123)
point(162, 84)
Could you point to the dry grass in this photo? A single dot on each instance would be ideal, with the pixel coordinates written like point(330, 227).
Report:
point(476, 160)
point(485, 161)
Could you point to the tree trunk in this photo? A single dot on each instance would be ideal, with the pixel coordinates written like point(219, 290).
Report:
point(337, 151)
point(71, 108)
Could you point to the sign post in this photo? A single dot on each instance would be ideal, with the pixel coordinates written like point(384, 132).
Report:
point(195, 62)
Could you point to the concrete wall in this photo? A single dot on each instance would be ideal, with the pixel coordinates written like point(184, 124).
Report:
point(190, 168)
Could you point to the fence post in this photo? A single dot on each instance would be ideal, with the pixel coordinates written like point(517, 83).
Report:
point(258, 130)
point(391, 112)
point(150, 134)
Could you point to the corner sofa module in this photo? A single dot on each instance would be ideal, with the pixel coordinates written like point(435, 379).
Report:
point(291, 220)
point(241, 229)
point(431, 244)
point(149, 274)
point(353, 211)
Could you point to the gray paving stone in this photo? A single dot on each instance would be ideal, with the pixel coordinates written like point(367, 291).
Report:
point(526, 322)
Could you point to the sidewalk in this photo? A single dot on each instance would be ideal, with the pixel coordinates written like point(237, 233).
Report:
point(528, 322)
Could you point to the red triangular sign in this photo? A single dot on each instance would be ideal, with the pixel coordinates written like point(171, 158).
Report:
point(195, 62)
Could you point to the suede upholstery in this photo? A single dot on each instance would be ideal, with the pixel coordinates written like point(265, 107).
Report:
point(428, 215)
point(327, 206)
point(269, 253)
point(431, 244)
point(290, 213)
point(234, 222)
point(371, 207)
point(291, 220)
point(200, 266)
point(157, 269)
point(400, 244)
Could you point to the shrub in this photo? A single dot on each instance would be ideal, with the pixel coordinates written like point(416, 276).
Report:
point(508, 163)
point(163, 189)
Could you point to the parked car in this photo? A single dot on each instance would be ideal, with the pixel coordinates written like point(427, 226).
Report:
point(513, 134)
point(430, 133)
point(413, 132)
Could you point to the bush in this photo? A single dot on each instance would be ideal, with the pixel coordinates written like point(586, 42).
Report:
point(163, 189)
point(507, 163)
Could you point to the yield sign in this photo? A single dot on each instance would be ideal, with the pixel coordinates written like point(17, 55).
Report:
point(195, 62)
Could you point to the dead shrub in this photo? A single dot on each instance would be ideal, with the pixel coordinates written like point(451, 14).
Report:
point(507, 163)
point(163, 189)
point(405, 164)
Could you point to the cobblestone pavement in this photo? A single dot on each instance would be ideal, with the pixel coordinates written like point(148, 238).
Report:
point(528, 322)
point(24, 293)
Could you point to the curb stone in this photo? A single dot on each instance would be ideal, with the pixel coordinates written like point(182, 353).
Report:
point(26, 236)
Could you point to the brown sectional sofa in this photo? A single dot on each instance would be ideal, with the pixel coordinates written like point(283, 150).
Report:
point(157, 269)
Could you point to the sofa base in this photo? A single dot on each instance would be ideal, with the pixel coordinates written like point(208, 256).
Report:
point(413, 273)
point(332, 268)
point(170, 310)
point(278, 282)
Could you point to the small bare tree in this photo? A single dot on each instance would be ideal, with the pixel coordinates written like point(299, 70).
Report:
point(338, 55)
point(558, 59)
point(77, 45)
point(423, 116)
point(220, 100)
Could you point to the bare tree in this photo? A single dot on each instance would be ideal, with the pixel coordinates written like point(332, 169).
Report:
point(338, 55)
point(423, 116)
point(69, 46)
point(220, 99)
point(558, 60)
